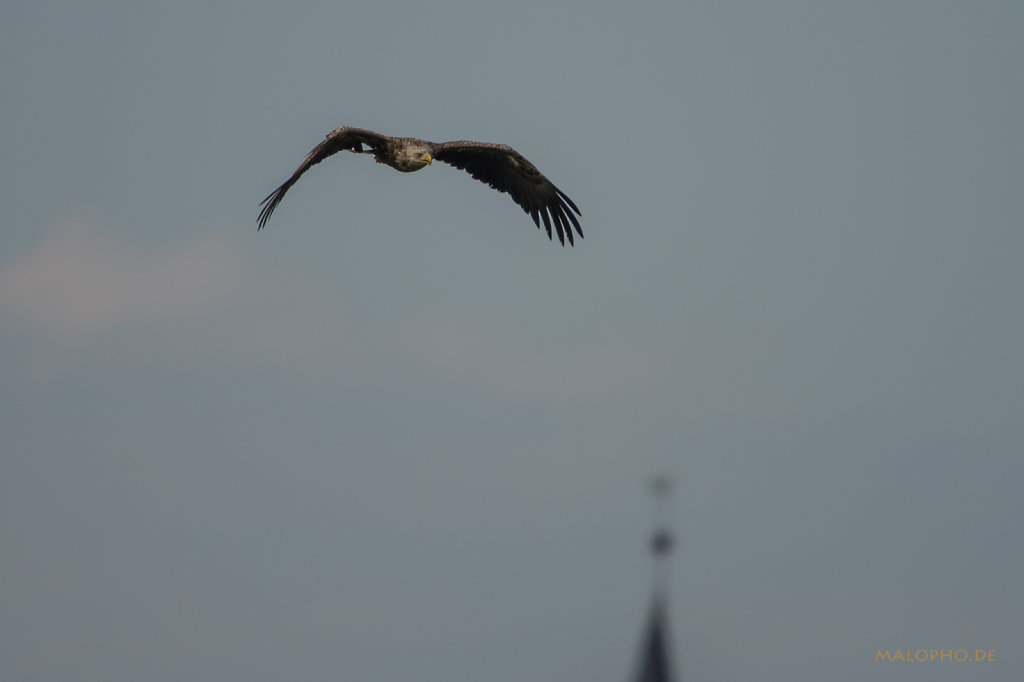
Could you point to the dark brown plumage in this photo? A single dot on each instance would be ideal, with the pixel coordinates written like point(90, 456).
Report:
point(496, 165)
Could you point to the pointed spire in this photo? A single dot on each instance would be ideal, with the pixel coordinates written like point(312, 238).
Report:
point(654, 663)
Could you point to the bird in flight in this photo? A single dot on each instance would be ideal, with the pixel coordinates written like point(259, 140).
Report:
point(497, 165)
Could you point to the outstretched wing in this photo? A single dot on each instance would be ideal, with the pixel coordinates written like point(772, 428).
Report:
point(506, 170)
point(337, 140)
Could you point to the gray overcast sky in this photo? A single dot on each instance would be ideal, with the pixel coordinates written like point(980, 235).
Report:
point(401, 436)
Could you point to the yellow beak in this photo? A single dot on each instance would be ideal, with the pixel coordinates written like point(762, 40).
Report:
point(427, 158)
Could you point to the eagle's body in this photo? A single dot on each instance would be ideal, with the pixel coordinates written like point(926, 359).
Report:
point(497, 165)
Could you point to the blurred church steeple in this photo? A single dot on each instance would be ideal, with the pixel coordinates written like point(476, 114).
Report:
point(654, 658)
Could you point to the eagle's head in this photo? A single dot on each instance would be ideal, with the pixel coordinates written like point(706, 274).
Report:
point(412, 158)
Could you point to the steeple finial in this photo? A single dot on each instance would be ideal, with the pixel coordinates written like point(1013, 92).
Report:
point(661, 540)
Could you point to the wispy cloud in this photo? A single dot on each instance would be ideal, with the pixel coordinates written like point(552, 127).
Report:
point(82, 281)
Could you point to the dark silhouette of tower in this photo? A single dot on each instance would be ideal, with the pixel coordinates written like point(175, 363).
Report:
point(654, 659)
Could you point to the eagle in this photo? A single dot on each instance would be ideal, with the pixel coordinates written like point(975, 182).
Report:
point(497, 165)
